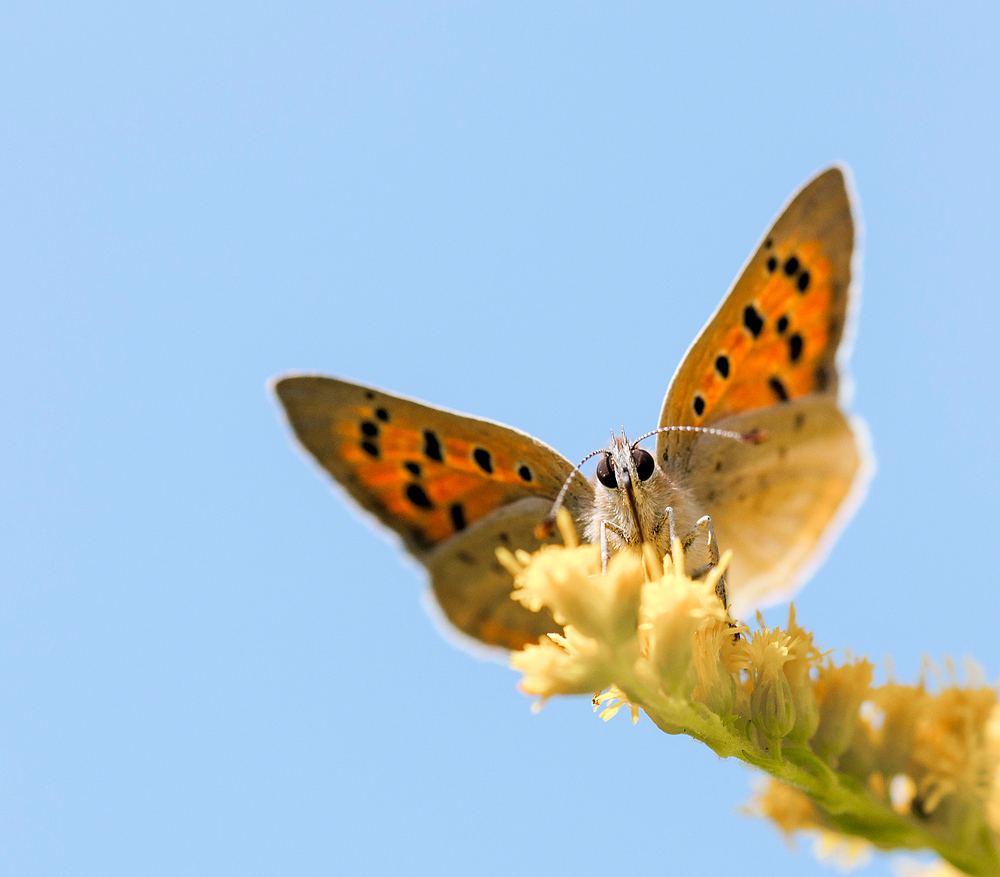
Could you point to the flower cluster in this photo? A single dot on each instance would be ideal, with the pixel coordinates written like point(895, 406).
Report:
point(894, 766)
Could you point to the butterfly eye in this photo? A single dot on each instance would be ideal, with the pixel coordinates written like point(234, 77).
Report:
point(644, 464)
point(605, 474)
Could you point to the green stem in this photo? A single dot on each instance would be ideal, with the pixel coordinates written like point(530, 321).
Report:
point(848, 806)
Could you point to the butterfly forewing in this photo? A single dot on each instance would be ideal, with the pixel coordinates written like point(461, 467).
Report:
point(453, 487)
point(425, 472)
point(775, 336)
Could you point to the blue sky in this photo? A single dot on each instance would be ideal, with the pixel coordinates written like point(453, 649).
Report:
point(208, 663)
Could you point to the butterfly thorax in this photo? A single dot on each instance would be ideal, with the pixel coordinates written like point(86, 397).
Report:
point(631, 495)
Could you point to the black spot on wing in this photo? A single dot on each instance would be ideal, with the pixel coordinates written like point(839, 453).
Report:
point(803, 282)
point(432, 446)
point(412, 468)
point(382, 415)
point(778, 388)
point(722, 365)
point(753, 322)
point(415, 494)
point(795, 347)
point(484, 459)
point(791, 266)
point(782, 324)
point(370, 448)
point(698, 405)
point(369, 429)
point(772, 264)
point(457, 515)
point(525, 473)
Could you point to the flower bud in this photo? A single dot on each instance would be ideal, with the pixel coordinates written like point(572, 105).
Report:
point(802, 657)
point(772, 711)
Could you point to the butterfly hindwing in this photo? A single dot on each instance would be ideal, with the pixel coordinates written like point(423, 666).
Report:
point(453, 487)
point(778, 505)
point(473, 589)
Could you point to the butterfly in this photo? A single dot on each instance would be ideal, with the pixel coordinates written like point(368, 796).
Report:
point(770, 362)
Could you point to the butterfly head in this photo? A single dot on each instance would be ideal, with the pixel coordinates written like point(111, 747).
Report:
point(631, 492)
point(629, 489)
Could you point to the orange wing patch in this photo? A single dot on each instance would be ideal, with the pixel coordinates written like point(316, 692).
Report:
point(777, 352)
point(437, 484)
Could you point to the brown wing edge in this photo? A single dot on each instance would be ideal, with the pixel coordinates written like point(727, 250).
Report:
point(286, 389)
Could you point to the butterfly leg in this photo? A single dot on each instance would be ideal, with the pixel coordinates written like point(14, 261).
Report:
point(605, 548)
point(667, 520)
point(705, 532)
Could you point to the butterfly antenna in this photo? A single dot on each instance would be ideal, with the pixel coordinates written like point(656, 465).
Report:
point(545, 528)
point(752, 437)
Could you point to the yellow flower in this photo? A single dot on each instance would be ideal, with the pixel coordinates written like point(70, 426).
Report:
point(569, 581)
point(786, 806)
point(713, 648)
point(892, 766)
point(568, 664)
point(912, 868)
point(793, 812)
point(599, 614)
point(674, 609)
point(771, 707)
point(803, 656)
point(840, 692)
point(892, 723)
point(950, 754)
point(615, 699)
